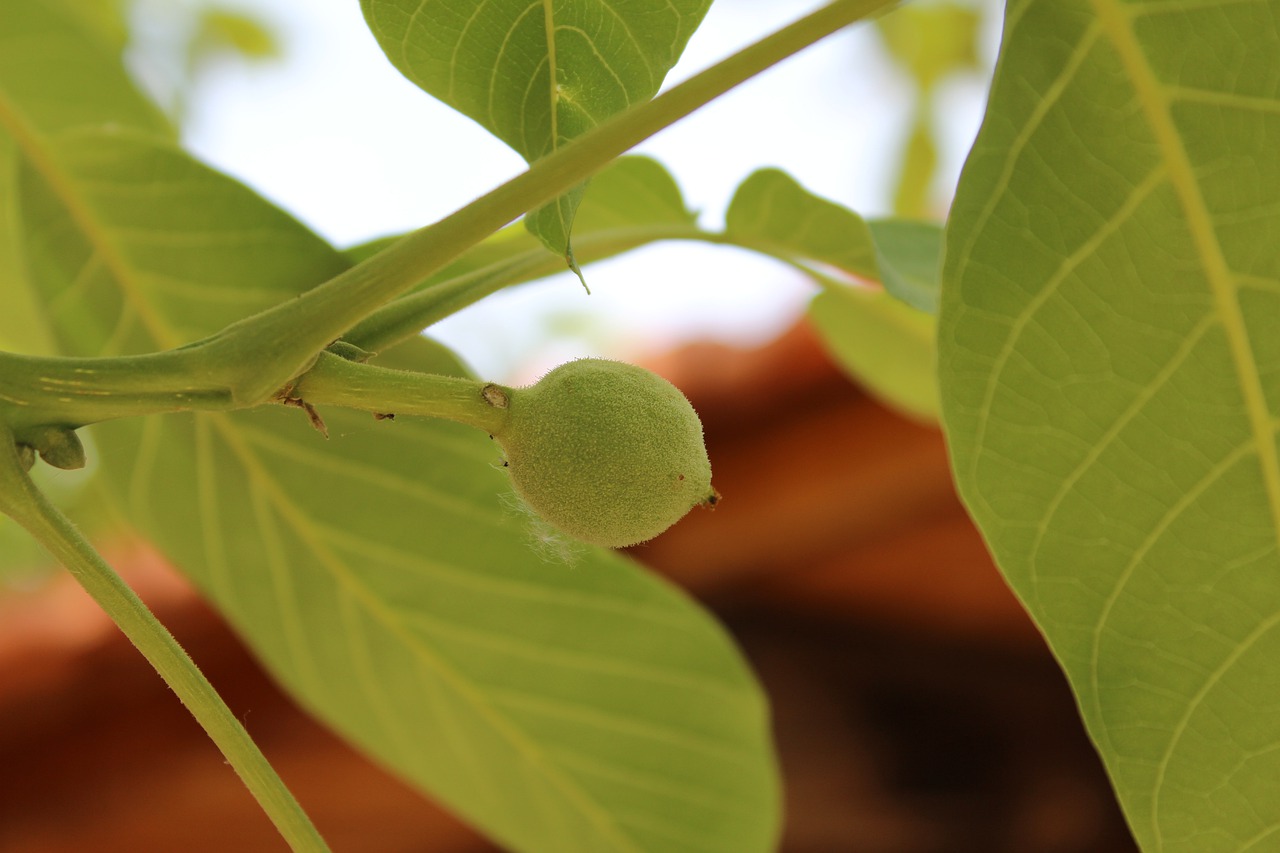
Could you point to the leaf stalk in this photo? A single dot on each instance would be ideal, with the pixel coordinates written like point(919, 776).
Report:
point(28, 506)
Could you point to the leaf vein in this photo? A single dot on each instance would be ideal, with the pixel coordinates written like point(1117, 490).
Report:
point(571, 659)
point(1156, 107)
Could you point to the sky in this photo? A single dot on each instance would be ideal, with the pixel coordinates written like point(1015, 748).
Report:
point(334, 134)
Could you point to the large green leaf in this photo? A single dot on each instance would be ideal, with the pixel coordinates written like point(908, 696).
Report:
point(54, 76)
point(385, 576)
point(1111, 385)
point(389, 581)
point(537, 73)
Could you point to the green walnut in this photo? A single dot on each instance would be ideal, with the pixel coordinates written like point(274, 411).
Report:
point(608, 452)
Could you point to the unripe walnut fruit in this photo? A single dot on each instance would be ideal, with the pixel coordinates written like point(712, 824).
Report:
point(608, 452)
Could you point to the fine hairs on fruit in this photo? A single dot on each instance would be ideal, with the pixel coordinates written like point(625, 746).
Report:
point(605, 451)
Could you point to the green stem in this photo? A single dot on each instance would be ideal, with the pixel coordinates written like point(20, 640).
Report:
point(335, 381)
point(27, 505)
point(409, 315)
point(264, 352)
point(38, 391)
point(250, 361)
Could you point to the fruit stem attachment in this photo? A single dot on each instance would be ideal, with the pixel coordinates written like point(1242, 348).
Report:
point(337, 381)
point(27, 505)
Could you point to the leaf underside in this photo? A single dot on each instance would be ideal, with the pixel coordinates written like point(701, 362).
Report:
point(385, 576)
point(538, 73)
point(1111, 385)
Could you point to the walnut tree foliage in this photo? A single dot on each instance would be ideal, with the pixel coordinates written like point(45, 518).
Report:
point(1095, 327)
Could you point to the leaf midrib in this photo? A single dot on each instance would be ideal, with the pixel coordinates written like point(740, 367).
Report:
point(1117, 24)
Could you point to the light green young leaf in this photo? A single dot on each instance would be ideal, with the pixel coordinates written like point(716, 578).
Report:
point(886, 345)
point(537, 74)
point(1111, 384)
point(772, 213)
point(224, 31)
point(932, 40)
point(385, 576)
point(883, 338)
point(909, 255)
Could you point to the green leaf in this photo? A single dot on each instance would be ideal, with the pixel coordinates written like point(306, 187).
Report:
point(56, 75)
point(60, 69)
point(567, 706)
point(22, 325)
point(932, 40)
point(536, 74)
point(883, 338)
point(1111, 383)
point(385, 576)
point(772, 213)
point(886, 345)
point(909, 256)
point(634, 191)
point(221, 31)
point(107, 19)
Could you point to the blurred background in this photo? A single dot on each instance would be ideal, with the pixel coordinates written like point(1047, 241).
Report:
point(916, 708)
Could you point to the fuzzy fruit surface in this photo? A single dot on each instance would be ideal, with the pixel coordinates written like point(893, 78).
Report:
point(608, 452)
